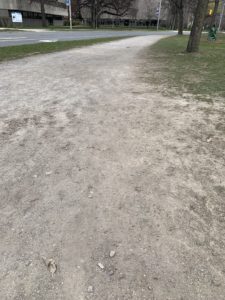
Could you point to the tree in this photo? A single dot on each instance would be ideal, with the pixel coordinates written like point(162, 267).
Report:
point(196, 31)
point(98, 8)
point(43, 15)
point(179, 8)
point(117, 8)
point(213, 19)
point(180, 11)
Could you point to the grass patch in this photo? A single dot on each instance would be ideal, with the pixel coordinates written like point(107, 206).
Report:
point(15, 52)
point(201, 74)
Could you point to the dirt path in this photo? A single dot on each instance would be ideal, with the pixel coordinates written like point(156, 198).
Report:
point(93, 160)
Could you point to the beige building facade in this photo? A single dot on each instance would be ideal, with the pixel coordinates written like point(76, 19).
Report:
point(147, 9)
point(56, 11)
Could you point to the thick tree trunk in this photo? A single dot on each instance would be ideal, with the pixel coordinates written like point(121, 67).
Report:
point(196, 31)
point(213, 19)
point(43, 16)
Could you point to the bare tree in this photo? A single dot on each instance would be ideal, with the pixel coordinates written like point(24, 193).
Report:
point(178, 5)
point(181, 9)
point(117, 7)
point(196, 31)
point(98, 8)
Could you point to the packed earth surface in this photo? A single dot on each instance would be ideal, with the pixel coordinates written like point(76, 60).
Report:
point(108, 189)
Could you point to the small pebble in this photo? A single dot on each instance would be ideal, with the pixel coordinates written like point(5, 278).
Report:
point(112, 253)
point(101, 266)
point(51, 265)
point(28, 263)
point(48, 173)
point(91, 193)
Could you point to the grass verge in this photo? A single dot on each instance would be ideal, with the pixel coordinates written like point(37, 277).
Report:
point(20, 51)
point(201, 74)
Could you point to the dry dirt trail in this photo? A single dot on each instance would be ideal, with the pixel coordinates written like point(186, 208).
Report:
point(94, 160)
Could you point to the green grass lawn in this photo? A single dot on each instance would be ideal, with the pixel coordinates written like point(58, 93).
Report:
point(14, 52)
point(201, 74)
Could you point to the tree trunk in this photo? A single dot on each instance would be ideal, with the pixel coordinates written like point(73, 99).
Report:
point(213, 19)
point(180, 21)
point(174, 27)
point(93, 13)
point(196, 31)
point(43, 16)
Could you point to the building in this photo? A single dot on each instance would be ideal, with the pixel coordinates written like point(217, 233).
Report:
point(30, 11)
point(149, 9)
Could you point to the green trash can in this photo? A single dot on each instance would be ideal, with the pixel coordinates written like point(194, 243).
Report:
point(212, 33)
